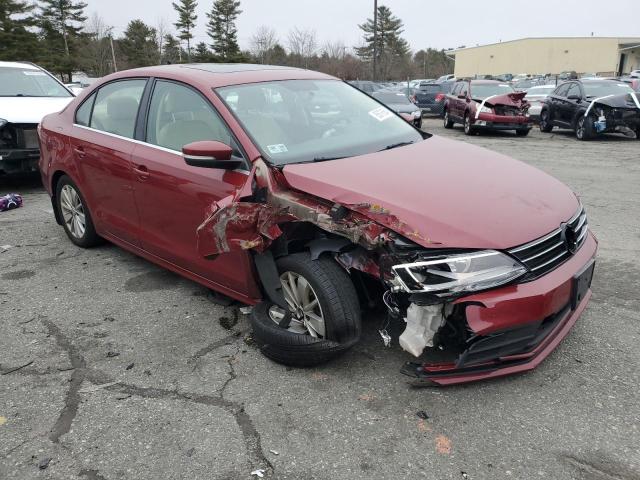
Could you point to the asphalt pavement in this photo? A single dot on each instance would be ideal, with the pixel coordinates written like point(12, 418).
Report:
point(113, 368)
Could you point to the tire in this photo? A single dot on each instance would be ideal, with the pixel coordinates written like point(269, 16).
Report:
point(448, 123)
point(545, 123)
point(339, 305)
point(523, 132)
point(638, 134)
point(71, 205)
point(468, 128)
point(584, 129)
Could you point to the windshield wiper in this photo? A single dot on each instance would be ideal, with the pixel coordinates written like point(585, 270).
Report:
point(396, 145)
point(326, 159)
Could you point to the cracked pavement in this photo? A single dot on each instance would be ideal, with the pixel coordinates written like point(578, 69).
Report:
point(112, 368)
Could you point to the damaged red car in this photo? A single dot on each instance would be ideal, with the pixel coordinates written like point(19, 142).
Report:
point(487, 105)
point(294, 192)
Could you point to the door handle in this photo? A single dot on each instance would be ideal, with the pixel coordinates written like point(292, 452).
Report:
point(79, 151)
point(142, 172)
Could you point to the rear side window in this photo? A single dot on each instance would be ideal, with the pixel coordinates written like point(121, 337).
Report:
point(83, 114)
point(574, 89)
point(116, 107)
point(562, 90)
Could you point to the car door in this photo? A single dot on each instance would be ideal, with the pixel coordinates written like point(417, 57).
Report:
point(454, 101)
point(555, 103)
point(173, 198)
point(573, 104)
point(102, 145)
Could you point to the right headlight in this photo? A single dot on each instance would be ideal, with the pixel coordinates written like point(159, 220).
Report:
point(445, 275)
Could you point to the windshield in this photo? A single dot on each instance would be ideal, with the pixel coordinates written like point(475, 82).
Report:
point(541, 91)
point(602, 89)
point(296, 121)
point(486, 90)
point(391, 98)
point(430, 88)
point(27, 82)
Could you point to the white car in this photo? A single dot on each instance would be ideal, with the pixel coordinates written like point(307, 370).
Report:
point(635, 74)
point(536, 96)
point(27, 94)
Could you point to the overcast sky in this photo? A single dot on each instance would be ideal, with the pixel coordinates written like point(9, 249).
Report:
point(427, 23)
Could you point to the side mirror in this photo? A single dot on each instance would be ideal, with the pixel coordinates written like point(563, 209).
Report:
point(210, 154)
point(407, 117)
point(574, 97)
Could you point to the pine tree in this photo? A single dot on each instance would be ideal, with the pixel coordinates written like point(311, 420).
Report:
point(186, 21)
point(171, 49)
point(138, 45)
point(222, 29)
point(391, 47)
point(202, 53)
point(61, 26)
point(16, 41)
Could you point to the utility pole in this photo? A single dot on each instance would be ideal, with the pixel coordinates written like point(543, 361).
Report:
point(113, 54)
point(375, 38)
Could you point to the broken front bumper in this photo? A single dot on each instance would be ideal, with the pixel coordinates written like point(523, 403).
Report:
point(19, 160)
point(516, 327)
point(502, 122)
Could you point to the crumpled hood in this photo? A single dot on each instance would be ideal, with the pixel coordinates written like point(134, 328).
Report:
point(509, 99)
point(444, 193)
point(625, 100)
point(30, 109)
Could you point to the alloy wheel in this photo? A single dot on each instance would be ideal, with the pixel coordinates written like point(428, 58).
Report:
point(446, 118)
point(580, 128)
point(304, 306)
point(73, 211)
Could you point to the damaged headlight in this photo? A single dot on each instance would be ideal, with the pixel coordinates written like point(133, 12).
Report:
point(446, 275)
point(486, 110)
point(417, 114)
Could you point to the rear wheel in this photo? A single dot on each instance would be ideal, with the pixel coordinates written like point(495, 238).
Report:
point(468, 128)
point(324, 308)
point(448, 123)
point(584, 130)
point(545, 122)
point(75, 215)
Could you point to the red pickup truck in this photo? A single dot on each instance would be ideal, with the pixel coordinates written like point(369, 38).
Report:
point(487, 104)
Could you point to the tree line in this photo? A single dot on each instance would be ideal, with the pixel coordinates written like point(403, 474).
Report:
point(58, 35)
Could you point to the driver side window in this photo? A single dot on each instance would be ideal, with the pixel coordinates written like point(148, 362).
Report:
point(574, 89)
point(179, 115)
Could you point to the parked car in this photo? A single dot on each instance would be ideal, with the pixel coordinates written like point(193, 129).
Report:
point(525, 85)
point(430, 97)
point(415, 83)
point(400, 104)
point(592, 107)
point(27, 93)
point(366, 86)
point(221, 174)
point(486, 104)
point(536, 97)
point(445, 78)
point(635, 74)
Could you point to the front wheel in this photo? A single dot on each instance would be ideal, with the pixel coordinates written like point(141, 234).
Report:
point(545, 122)
point(468, 128)
point(584, 130)
point(75, 215)
point(324, 313)
point(448, 123)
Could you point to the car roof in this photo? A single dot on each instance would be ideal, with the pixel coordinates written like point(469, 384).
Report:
point(214, 75)
point(485, 82)
point(26, 66)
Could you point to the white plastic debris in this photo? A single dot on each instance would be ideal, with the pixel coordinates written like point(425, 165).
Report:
point(258, 473)
point(386, 338)
point(4, 248)
point(422, 324)
point(246, 310)
point(274, 452)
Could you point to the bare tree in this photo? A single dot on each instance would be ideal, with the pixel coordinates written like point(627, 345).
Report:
point(262, 42)
point(302, 44)
point(162, 29)
point(97, 51)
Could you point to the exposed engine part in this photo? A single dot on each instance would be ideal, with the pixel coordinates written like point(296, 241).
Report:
point(423, 322)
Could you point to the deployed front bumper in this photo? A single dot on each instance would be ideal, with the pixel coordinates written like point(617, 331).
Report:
point(516, 327)
point(19, 160)
point(501, 122)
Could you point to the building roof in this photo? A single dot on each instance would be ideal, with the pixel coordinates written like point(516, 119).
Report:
point(621, 41)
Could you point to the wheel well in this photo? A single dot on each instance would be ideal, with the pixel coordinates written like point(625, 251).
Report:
point(55, 178)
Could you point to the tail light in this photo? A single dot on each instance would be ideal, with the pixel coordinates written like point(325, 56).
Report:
point(439, 97)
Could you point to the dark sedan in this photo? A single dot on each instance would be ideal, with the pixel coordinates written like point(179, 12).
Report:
point(430, 96)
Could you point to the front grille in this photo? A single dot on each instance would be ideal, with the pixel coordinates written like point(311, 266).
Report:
point(547, 253)
point(507, 111)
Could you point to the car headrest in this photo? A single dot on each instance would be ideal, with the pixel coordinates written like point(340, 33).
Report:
point(122, 108)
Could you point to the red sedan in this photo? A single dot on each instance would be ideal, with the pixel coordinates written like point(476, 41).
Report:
point(294, 192)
